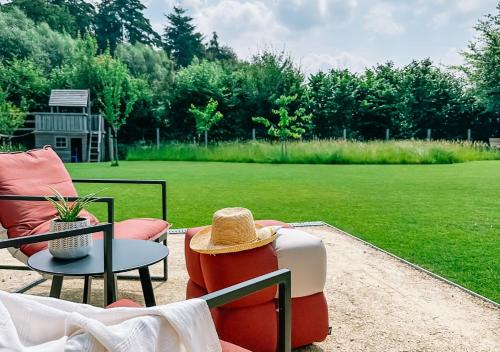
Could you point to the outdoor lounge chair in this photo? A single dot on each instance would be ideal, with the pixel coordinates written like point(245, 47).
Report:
point(225, 296)
point(302, 253)
point(25, 178)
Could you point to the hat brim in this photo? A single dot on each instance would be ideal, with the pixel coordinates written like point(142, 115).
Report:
point(201, 243)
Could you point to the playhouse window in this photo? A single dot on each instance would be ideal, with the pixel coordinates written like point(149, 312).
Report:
point(61, 142)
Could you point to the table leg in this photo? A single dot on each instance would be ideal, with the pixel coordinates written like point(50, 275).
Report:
point(87, 289)
point(110, 288)
point(147, 287)
point(55, 288)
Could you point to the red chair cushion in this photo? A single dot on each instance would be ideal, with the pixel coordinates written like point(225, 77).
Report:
point(193, 264)
point(309, 319)
point(31, 173)
point(223, 270)
point(229, 347)
point(194, 291)
point(254, 328)
point(124, 303)
point(131, 229)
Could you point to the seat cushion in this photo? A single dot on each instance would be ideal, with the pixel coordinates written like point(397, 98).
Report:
point(140, 229)
point(131, 229)
point(31, 173)
point(305, 256)
point(229, 347)
point(309, 320)
point(193, 264)
point(124, 303)
point(223, 270)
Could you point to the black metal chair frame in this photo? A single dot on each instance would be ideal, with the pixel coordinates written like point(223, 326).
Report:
point(110, 219)
point(281, 277)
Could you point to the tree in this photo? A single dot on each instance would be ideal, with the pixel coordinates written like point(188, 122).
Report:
point(482, 68)
point(180, 39)
point(206, 117)
point(221, 53)
point(289, 126)
point(120, 21)
point(11, 116)
point(56, 16)
point(119, 93)
point(83, 14)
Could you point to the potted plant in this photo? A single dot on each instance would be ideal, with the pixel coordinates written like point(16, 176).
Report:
point(69, 219)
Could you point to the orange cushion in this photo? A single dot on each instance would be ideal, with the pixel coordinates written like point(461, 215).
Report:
point(193, 264)
point(140, 229)
point(223, 270)
point(131, 229)
point(309, 319)
point(254, 328)
point(229, 347)
point(31, 173)
point(124, 303)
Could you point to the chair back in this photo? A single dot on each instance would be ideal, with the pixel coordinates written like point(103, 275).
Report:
point(31, 173)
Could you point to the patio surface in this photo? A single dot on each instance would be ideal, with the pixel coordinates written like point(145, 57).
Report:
point(376, 302)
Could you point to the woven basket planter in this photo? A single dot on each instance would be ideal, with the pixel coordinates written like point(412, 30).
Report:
point(70, 247)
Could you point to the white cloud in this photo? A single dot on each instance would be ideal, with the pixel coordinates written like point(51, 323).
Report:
point(315, 62)
point(380, 19)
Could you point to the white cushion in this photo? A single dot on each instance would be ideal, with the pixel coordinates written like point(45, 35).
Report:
point(305, 256)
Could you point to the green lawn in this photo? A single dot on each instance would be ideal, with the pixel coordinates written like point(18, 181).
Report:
point(445, 218)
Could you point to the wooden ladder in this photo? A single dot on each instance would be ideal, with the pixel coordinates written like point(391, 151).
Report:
point(95, 139)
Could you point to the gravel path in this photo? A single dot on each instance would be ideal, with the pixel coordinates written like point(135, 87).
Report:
point(377, 303)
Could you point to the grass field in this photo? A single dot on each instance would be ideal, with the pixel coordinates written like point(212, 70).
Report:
point(322, 152)
point(443, 217)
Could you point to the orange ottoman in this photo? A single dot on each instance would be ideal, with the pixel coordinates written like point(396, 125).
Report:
point(252, 321)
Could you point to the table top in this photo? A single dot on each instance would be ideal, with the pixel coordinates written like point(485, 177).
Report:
point(127, 255)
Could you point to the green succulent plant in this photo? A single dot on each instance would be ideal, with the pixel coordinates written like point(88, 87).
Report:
point(70, 211)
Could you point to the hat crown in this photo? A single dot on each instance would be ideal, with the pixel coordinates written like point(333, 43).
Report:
point(231, 226)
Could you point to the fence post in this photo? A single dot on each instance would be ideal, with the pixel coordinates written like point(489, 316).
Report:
point(469, 134)
point(253, 134)
point(429, 134)
point(158, 138)
point(344, 134)
point(387, 134)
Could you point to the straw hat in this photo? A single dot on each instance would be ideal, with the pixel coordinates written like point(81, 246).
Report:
point(232, 230)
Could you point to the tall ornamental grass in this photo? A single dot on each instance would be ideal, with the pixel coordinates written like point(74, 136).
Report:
point(323, 152)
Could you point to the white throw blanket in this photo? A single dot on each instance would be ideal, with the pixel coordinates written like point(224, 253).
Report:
point(31, 323)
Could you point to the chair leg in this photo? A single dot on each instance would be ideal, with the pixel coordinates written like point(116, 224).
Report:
point(87, 289)
point(55, 288)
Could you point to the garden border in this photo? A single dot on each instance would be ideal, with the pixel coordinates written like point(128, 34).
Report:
point(414, 266)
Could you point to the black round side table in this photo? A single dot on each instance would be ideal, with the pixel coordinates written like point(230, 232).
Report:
point(127, 255)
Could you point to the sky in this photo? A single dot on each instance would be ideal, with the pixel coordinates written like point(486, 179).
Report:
point(324, 34)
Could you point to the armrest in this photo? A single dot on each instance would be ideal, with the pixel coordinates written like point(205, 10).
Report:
point(280, 277)
point(162, 183)
point(108, 200)
point(107, 228)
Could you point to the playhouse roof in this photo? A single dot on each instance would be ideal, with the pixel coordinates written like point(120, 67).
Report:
point(69, 97)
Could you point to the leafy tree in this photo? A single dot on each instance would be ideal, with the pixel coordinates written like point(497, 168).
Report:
point(180, 40)
point(56, 16)
point(120, 21)
point(289, 125)
point(83, 14)
point(118, 95)
point(21, 38)
point(195, 84)
point(206, 117)
point(25, 83)
point(217, 52)
point(333, 102)
point(483, 69)
point(11, 116)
